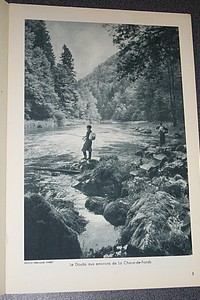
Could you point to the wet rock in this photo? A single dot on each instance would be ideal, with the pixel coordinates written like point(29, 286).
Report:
point(115, 212)
point(96, 204)
point(46, 234)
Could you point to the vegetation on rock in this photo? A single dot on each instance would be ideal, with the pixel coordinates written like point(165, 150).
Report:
point(148, 199)
point(47, 235)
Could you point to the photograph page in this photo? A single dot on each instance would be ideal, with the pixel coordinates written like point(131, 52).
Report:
point(103, 154)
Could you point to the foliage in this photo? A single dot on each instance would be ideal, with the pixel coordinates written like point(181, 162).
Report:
point(150, 52)
point(141, 82)
point(64, 76)
point(42, 38)
point(40, 95)
point(87, 105)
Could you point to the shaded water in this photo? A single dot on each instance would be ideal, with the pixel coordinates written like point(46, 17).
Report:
point(57, 147)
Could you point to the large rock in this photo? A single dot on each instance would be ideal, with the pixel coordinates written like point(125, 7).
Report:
point(96, 204)
point(116, 212)
point(175, 187)
point(154, 227)
point(46, 234)
point(174, 168)
point(106, 179)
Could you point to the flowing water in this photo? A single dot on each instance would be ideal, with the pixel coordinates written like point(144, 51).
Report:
point(56, 147)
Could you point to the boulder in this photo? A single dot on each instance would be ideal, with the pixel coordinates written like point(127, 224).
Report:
point(96, 204)
point(176, 188)
point(150, 169)
point(115, 212)
point(153, 227)
point(175, 167)
point(161, 158)
point(106, 179)
point(181, 148)
point(46, 234)
point(140, 152)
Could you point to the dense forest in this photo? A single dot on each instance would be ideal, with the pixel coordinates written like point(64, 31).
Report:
point(141, 82)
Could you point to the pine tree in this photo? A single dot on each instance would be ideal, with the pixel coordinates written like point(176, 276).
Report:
point(65, 83)
point(42, 38)
point(40, 97)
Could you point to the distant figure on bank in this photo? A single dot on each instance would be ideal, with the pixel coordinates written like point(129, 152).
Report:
point(162, 131)
point(87, 146)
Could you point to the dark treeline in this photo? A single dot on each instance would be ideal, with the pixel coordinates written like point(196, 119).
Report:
point(141, 82)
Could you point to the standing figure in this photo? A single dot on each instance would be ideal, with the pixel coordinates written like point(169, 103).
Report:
point(87, 146)
point(162, 130)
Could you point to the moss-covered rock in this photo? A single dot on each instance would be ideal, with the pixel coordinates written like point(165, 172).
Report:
point(47, 235)
point(154, 227)
point(116, 212)
point(106, 179)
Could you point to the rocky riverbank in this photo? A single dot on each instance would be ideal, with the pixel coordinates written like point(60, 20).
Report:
point(144, 194)
point(147, 197)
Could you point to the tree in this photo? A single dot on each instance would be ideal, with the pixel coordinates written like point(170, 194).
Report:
point(87, 105)
point(42, 38)
point(40, 97)
point(145, 51)
point(65, 82)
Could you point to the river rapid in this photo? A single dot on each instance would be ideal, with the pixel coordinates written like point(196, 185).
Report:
point(53, 148)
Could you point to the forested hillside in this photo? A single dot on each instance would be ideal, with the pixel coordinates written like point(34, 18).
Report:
point(51, 90)
point(141, 82)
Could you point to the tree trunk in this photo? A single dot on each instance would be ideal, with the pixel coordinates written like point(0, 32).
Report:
point(170, 69)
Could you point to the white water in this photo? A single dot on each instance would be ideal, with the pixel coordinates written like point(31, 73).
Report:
point(53, 148)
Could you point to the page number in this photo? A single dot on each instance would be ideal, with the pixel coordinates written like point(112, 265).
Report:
point(193, 274)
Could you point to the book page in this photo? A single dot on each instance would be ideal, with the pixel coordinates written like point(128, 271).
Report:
point(3, 96)
point(114, 210)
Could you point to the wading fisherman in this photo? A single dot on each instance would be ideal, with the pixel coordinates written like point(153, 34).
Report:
point(87, 146)
point(162, 131)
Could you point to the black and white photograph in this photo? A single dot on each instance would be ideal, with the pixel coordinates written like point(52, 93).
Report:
point(105, 151)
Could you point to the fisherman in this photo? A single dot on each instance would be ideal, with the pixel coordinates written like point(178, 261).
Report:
point(162, 131)
point(87, 146)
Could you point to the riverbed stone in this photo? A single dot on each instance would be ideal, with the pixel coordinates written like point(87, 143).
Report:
point(115, 212)
point(46, 234)
point(96, 204)
point(175, 167)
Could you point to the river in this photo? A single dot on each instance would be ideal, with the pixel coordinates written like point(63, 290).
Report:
point(57, 147)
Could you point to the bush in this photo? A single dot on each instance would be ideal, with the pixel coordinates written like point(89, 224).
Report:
point(60, 118)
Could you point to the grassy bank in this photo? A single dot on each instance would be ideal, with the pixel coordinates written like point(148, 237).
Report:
point(51, 123)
